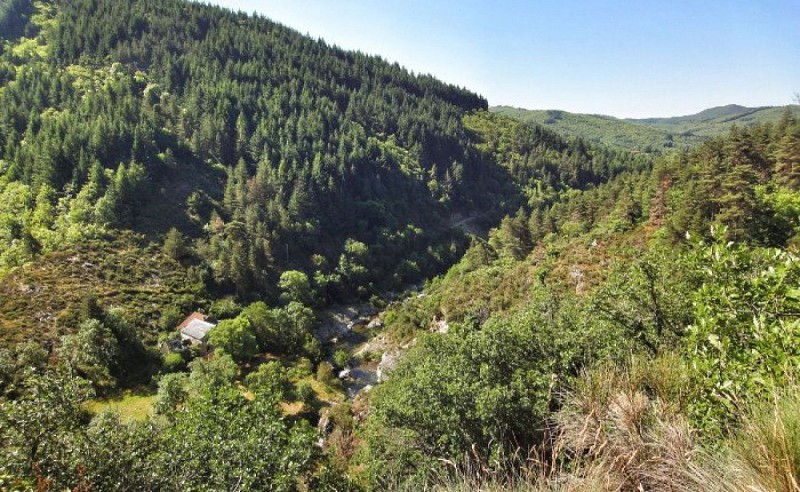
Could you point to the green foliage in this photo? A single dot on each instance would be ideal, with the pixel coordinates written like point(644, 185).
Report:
point(36, 427)
point(171, 393)
point(296, 287)
point(20, 362)
point(744, 339)
point(287, 329)
point(91, 352)
point(651, 134)
point(488, 387)
point(325, 375)
point(341, 359)
point(173, 362)
point(304, 392)
point(733, 181)
point(229, 449)
point(269, 379)
point(216, 440)
point(224, 308)
point(647, 298)
point(235, 337)
point(175, 245)
point(217, 372)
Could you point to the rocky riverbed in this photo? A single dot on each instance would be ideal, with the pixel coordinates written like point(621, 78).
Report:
point(358, 329)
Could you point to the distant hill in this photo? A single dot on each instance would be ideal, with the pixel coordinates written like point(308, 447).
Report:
point(728, 111)
point(648, 134)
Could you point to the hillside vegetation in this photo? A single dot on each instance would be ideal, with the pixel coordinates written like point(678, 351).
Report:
point(268, 150)
point(651, 135)
point(592, 317)
point(252, 151)
point(605, 339)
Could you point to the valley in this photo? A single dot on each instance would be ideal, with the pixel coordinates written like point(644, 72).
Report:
point(401, 287)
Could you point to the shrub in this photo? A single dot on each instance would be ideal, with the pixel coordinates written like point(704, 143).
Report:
point(743, 338)
point(341, 359)
point(325, 375)
point(174, 362)
point(236, 337)
point(304, 392)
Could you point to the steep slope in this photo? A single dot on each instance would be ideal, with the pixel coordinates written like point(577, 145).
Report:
point(268, 149)
point(42, 300)
point(506, 337)
point(256, 148)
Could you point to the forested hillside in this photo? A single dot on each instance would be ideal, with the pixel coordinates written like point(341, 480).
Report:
point(651, 135)
point(267, 149)
point(258, 150)
point(587, 315)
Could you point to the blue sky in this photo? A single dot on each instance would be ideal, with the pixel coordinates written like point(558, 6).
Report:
point(623, 58)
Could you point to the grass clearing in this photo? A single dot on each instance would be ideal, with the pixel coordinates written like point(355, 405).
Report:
point(129, 405)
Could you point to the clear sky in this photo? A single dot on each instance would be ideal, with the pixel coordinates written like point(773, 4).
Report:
point(632, 58)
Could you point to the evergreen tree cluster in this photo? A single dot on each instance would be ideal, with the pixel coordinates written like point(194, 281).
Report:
point(270, 151)
point(303, 145)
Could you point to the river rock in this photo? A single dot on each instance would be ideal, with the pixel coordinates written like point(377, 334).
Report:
point(336, 322)
point(367, 310)
point(389, 361)
point(440, 326)
point(325, 425)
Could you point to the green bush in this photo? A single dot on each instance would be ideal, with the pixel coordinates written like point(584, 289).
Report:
point(174, 362)
point(304, 392)
point(743, 339)
point(325, 375)
point(341, 359)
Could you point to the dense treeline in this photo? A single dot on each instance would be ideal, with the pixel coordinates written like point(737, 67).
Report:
point(154, 114)
point(267, 150)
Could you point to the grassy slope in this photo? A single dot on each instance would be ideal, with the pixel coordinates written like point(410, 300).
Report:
point(41, 300)
point(650, 133)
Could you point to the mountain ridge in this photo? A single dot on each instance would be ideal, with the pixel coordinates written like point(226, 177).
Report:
point(653, 134)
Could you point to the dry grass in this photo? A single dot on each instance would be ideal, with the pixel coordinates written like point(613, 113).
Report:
point(623, 429)
point(624, 425)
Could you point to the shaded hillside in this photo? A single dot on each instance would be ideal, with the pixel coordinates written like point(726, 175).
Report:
point(649, 134)
point(269, 150)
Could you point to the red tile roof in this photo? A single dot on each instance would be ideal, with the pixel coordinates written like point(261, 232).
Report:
point(195, 315)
